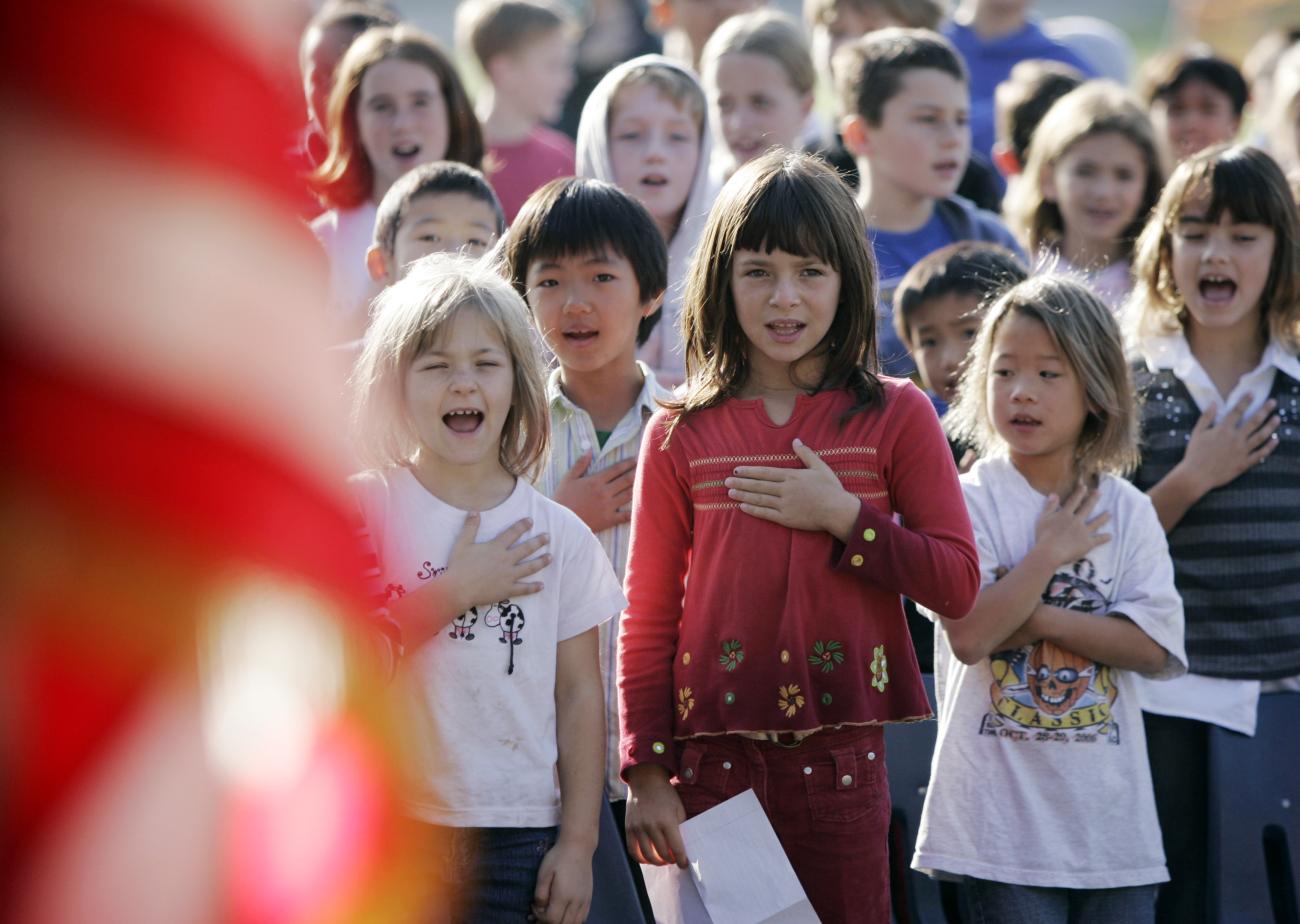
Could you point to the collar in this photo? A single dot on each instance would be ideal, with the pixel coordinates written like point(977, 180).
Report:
point(1172, 352)
point(646, 400)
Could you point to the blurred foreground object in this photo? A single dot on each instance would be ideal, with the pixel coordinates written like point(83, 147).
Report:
point(194, 726)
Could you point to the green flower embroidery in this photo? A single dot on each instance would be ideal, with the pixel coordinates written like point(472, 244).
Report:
point(790, 699)
point(826, 699)
point(826, 655)
point(732, 654)
point(879, 669)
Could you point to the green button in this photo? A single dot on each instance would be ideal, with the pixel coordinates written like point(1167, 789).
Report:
point(869, 535)
point(658, 747)
point(826, 699)
point(729, 698)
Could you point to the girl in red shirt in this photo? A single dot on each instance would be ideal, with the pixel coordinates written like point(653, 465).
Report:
point(784, 504)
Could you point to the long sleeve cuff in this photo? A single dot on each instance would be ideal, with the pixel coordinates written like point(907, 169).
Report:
point(869, 546)
point(649, 749)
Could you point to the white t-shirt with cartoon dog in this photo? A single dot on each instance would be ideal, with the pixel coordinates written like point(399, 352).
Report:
point(479, 697)
point(1040, 774)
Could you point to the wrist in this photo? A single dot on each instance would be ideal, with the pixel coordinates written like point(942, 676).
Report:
point(844, 517)
point(1186, 481)
point(647, 776)
point(580, 843)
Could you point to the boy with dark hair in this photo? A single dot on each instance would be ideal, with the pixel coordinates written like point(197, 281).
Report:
point(905, 103)
point(993, 36)
point(434, 208)
point(939, 304)
point(526, 50)
point(1196, 99)
point(593, 267)
point(1020, 103)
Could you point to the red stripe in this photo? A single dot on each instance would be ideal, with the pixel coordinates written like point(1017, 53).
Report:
point(122, 454)
point(156, 77)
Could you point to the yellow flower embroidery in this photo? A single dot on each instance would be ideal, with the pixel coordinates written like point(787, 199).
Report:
point(685, 701)
point(790, 701)
point(879, 668)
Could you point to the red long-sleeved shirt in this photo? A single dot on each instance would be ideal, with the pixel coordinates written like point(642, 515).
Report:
point(780, 629)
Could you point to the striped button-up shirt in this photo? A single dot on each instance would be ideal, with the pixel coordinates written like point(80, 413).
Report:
point(572, 435)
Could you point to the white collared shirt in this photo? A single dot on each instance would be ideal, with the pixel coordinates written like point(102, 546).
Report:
point(572, 434)
point(1219, 701)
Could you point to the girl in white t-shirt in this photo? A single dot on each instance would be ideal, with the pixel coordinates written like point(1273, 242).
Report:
point(500, 677)
point(1040, 794)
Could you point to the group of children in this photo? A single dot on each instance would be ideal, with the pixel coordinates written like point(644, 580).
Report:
point(650, 488)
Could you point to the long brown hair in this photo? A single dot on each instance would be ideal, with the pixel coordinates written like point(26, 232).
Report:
point(795, 203)
point(345, 179)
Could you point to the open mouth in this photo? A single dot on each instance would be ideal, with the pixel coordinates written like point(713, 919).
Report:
point(654, 180)
point(947, 166)
point(463, 420)
point(581, 336)
point(1024, 420)
point(406, 151)
point(1217, 290)
point(785, 331)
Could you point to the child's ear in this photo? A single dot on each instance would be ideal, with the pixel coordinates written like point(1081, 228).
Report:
point(856, 134)
point(376, 265)
point(1005, 160)
point(651, 305)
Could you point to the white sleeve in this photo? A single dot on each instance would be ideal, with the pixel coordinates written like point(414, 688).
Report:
point(1147, 594)
point(589, 592)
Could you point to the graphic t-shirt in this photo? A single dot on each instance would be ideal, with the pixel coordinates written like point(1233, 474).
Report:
point(479, 697)
point(1040, 775)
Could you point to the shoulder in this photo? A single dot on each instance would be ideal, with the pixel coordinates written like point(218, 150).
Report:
point(905, 403)
point(981, 224)
point(1126, 498)
point(552, 140)
point(984, 476)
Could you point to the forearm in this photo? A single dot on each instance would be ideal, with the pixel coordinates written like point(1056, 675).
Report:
point(1114, 639)
point(580, 737)
point(1001, 610)
point(425, 611)
point(1174, 495)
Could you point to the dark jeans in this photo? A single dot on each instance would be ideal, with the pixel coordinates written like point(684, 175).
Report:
point(999, 902)
point(1179, 751)
point(487, 875)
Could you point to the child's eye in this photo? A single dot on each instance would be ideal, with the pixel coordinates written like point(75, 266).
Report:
point(487, 363)
point(1048, 374)
point(814, 271)
point(628, 136)
point(969, 333)
point(1243, 238)
point(546, 284)
point(604, 277)
point(1002, 373)
point(762, 102)
point(681, 137)
point(755, 273)
point(928, 343)
point(430, 238)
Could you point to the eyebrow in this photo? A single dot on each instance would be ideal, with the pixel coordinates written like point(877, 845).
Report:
point(433, 351)
point(427, 219)
point(602, 259)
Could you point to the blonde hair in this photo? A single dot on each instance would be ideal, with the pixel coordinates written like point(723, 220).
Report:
point(1251, 186)
point(1097, 107)
point(770, 34)
point(1086, 333)
point(676, 85)
point(411, 316)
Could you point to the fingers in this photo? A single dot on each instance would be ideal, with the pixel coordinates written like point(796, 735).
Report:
point(512, 534)
point(760, 473)
point(1099, 539)
point(1099, 520)
point(580, 467)
point(762, 513)
point(542, 893)
point(527, 566)
point(1261, 419)
point(676, 847)
point(1206, 420)
point(1239, 412)
point(1077, 499)
point(1262, 451)
point(625, 470)
point(469, 531)
point(520, 589)
point(1087, 503)
point(527, 548)
point(807, 456)
point(754, 486)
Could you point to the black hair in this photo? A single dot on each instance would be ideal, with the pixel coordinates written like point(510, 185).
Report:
point(574, 216)
point(1168, 74)
point(441, 176)
point(971, 268)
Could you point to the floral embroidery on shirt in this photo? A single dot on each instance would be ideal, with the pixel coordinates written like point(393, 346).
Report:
point(826, 655)
point(732, 654)
point(879, 668)
point(685, 702)
point(394, 591)
point(790, 700)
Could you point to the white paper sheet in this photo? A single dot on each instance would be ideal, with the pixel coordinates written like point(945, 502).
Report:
point(739, 873)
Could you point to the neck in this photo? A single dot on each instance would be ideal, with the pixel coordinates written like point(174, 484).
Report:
point(1050, 474)
point(605, 394)
point(469, 487)
point(888, 207)
point(668, 226)
point(1086, 253)
point(502, 123)
point(1226, 354)
point(987, 24)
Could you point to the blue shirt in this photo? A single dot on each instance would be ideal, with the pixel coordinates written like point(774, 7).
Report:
point(990, 63)
point(954, 219)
